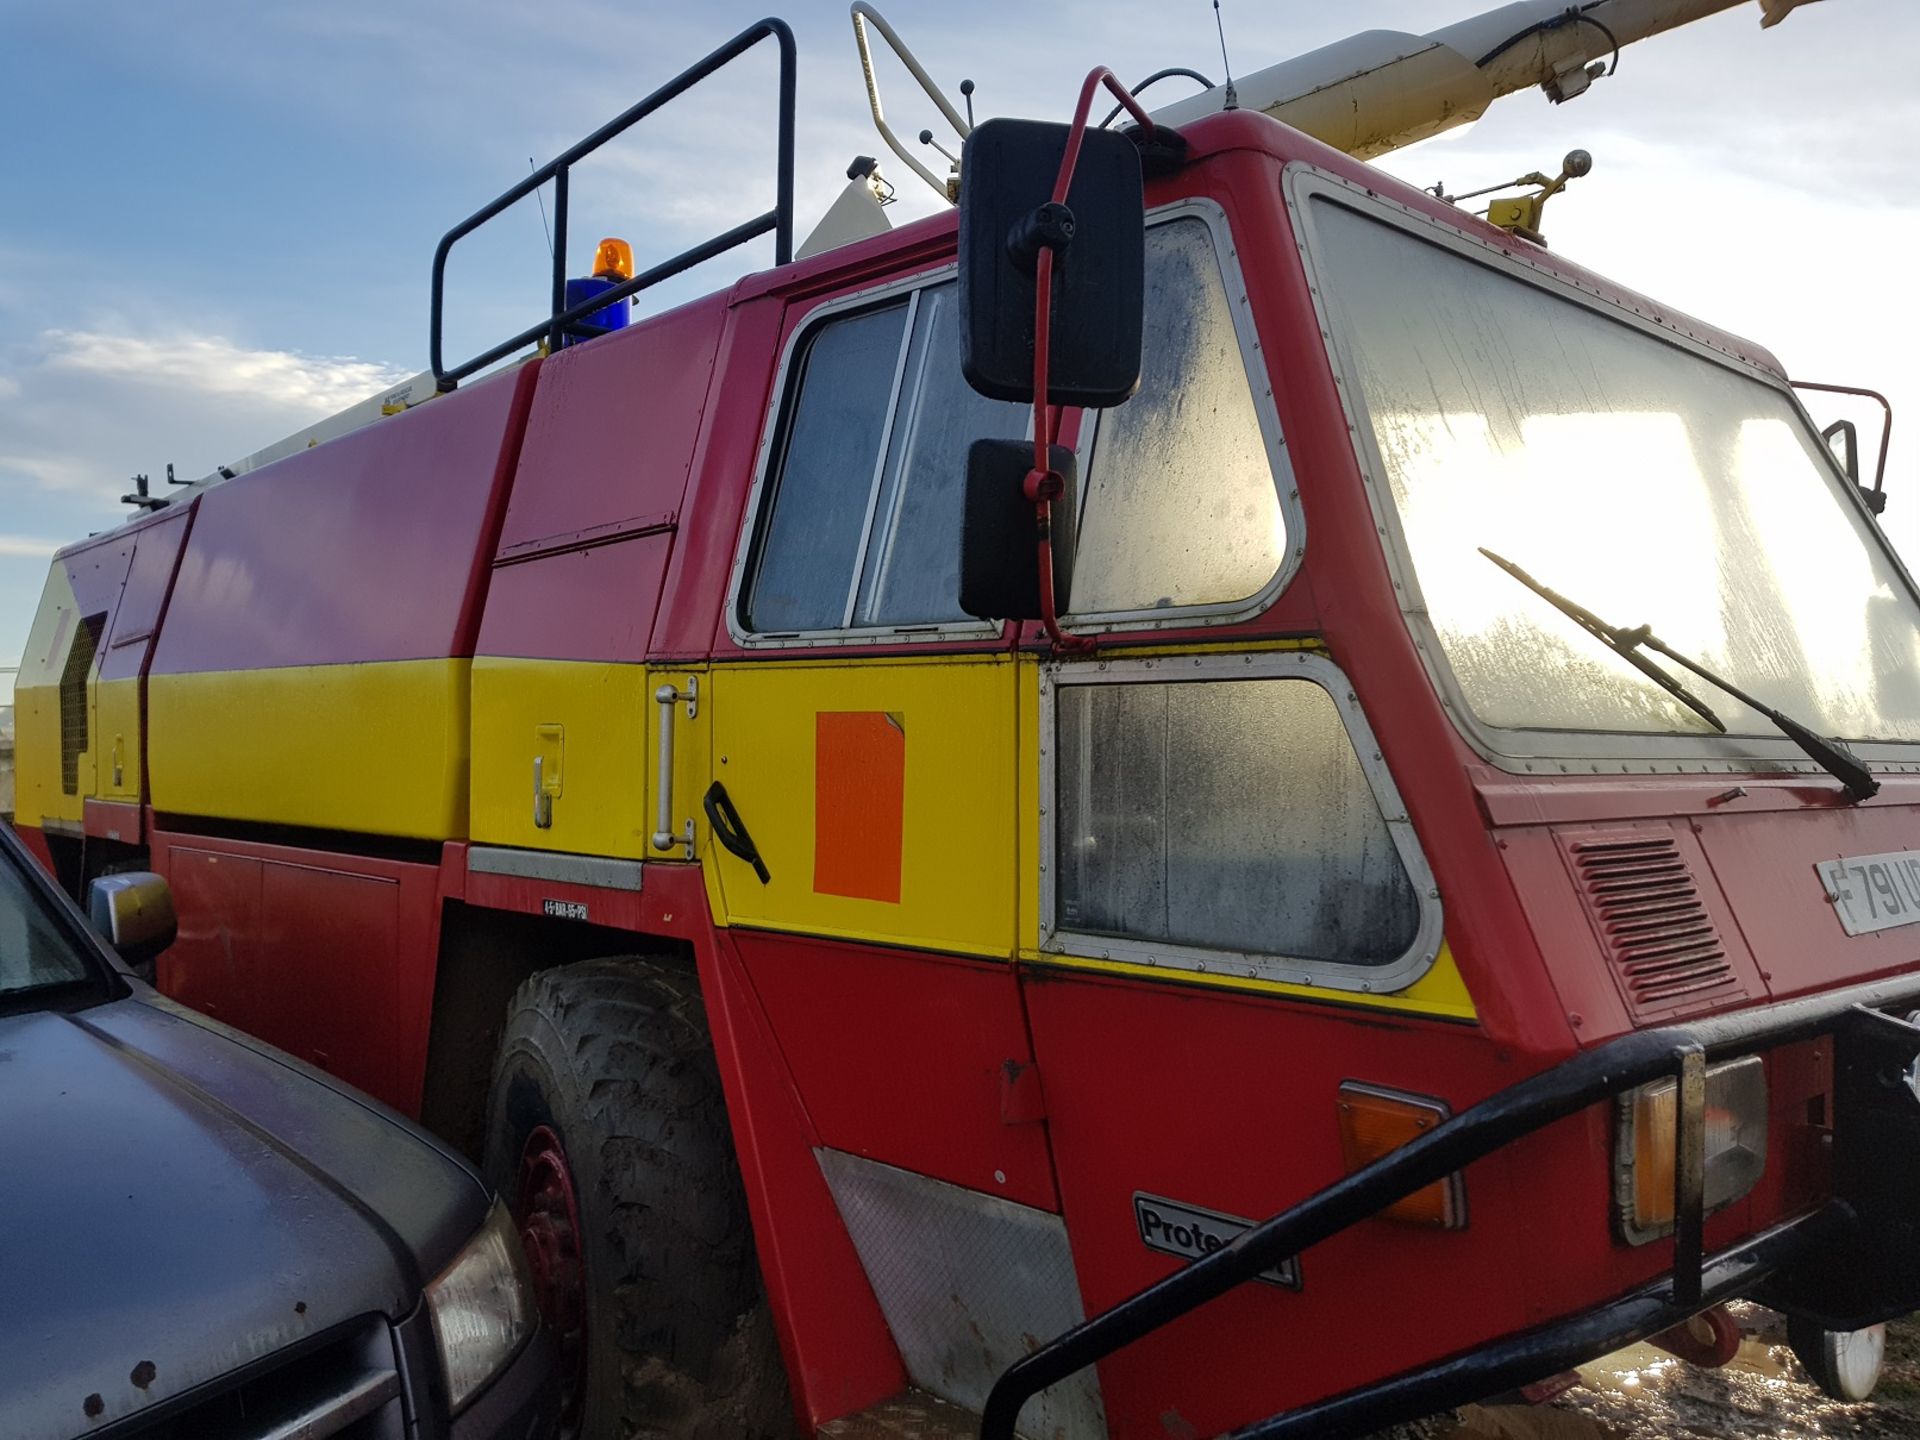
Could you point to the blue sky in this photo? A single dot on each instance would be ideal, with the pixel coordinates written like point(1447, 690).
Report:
point(220, 216)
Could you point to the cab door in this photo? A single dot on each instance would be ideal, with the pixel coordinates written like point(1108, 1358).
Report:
point(865, 734)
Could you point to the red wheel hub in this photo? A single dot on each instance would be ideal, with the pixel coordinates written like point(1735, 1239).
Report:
point(550, 1233)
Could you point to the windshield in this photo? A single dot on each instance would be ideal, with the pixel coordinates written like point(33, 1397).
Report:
point(1654, 484)
point(34, 954)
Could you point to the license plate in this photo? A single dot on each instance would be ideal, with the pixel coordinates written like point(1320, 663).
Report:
point(1174, 1228)
point(1873, 892)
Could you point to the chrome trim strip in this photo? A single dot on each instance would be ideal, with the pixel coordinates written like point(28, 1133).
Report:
point(597, 871)
point(354, 1400)
point(1291, 970)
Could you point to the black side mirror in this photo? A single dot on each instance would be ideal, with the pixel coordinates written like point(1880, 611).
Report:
point(1007, 174)
point(133, 912)
point(999, 579)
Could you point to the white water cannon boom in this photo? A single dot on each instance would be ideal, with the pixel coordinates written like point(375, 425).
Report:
point(1381, 89)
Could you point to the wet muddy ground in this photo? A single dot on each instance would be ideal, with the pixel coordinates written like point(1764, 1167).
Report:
point(1641, 1393)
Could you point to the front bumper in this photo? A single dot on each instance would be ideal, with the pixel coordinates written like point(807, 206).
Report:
point(1853, 1262)
point(522, 1402)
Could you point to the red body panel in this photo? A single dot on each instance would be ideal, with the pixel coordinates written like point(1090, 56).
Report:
point(116, 820)
point(611, 433)
point(329, 956)
point(277, 569)
point(36, 842)
point(840, 1355)
point(903, 1058)
point(599, 489)
point(144, 597)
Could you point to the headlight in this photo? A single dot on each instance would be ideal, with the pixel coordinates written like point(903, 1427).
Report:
point(1643, 1155)
point(482, 1307)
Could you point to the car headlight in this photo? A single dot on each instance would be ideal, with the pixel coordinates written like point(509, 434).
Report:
point(1736, 1126)
point(482, 1307)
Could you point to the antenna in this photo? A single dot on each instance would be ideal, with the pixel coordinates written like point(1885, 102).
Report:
point(966, 94)
point(1232, 99)
point(540, 194)
point(926, 138)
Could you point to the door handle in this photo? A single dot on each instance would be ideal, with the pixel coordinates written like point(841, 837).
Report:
point(730, 830)
point(547, 777)
point(542, 797)
point(665, 837)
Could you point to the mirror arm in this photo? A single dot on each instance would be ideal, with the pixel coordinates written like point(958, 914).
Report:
point(1045, 233)
point(1876, 498)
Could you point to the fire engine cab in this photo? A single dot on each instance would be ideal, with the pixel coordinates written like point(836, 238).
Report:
point(1031, 822)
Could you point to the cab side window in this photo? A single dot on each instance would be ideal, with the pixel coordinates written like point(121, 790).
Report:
point(1219, 814)
point(862, 524)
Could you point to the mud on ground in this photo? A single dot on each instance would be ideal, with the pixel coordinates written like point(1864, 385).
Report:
point(1645, 1394)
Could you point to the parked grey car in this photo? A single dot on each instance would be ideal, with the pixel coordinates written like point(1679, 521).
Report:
point(203, 1237)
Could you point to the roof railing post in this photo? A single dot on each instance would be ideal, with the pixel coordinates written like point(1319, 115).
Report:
point(555, 330)
point(783, 180)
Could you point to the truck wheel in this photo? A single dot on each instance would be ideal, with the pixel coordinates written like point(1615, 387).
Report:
point(607, 1133)
point(1844, 1363)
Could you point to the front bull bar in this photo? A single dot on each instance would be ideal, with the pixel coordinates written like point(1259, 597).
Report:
point(1853, 1262)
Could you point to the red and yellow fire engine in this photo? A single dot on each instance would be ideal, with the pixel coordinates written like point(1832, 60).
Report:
point(1312, 892)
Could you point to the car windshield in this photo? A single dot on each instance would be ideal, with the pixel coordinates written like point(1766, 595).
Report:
point(1657, 485)
point(35, 954)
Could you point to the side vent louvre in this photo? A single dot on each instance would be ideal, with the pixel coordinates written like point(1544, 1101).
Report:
point(1653, 923)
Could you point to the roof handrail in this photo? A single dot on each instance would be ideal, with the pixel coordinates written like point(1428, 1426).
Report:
point(563, 317)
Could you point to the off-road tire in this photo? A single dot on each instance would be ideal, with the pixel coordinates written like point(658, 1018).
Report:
point(615, 1058)
point(1818, 1351)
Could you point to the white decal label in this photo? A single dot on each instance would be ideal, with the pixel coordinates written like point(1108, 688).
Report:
point(1873, 892)
point(1186, 1230)
point(565, 909)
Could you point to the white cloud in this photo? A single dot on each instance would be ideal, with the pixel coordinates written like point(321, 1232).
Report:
point(210, 365)
point(52, 472)
point(28, 546)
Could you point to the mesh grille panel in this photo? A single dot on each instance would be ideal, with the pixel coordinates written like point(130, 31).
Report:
point(73, 700)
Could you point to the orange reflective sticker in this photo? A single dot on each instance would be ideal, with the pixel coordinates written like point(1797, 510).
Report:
point(859, 794)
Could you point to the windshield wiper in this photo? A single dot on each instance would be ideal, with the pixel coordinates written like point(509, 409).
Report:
point(1830, 755)
point(1623, 643)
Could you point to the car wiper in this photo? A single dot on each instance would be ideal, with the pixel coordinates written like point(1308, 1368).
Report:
point(1830, 755)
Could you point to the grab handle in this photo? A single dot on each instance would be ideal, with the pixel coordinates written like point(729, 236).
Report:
point(665, 836)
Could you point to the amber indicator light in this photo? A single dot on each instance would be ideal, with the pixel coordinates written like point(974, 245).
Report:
point(1376, 1122)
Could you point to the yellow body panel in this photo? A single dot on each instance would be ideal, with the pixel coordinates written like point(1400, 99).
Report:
point(378, 748)
point(586, 722)
point(116, 738)
point(38, 794)
point(957, 816)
